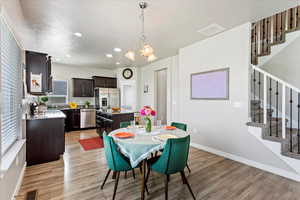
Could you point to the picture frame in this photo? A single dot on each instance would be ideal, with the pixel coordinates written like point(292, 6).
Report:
point(210, 85)
point(146, 88)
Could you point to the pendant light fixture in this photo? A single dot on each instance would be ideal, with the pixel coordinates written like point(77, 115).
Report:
point(147, 50)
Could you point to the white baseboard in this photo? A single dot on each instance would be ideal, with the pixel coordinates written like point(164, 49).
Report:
point(251, 163)
point(19, 183)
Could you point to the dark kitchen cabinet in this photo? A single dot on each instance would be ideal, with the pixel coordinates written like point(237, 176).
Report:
point(68, 124)
point(75, 119)
point(45, 140)
point(72, 121)
point(38, 64)
point(83, 87)
point(105, 82)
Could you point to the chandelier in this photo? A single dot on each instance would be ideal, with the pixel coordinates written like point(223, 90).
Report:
point(147, 50)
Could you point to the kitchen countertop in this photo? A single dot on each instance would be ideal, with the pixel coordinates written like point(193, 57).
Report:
point(123, 111)
point(68, 108)
point(49, 114)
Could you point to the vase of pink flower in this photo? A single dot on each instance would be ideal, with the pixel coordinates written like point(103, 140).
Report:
point(147, 112)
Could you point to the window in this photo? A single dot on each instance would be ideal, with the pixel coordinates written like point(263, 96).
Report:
point(10, 88)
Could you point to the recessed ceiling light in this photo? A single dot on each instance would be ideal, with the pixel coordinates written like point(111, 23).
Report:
point(109, 55)
point(77, 34)
point(68, 56)
point(211, 30)
point(118, 63)
point(117, 49)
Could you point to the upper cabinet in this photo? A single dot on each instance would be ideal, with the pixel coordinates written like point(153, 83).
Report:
point(105, 82)
point(83, 87)
point(38, 73)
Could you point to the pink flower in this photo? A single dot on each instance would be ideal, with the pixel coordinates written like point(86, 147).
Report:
point(142, 112)
point(153, 113)
point(148, 111)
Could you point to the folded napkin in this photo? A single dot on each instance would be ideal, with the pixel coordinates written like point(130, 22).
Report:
point(170, 127)
point(123, 135)
point(165, 137)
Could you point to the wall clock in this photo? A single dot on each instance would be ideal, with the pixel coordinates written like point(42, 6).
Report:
point(127, 73)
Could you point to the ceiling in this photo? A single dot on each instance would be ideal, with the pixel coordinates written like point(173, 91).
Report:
point(105, 24)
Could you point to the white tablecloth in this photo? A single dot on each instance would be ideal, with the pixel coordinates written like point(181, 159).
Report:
point(143, 144)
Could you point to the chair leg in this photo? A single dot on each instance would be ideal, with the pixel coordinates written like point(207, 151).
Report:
point(146, 180)
point(169, 178)
point(114, 175)
point(183, 179)
point(146, 188)
point(125, 176)
point(166, 187)
point(133, 173)
point(187, 166)
point(105, 179)
point(116, 185)
point(141, 170)
point(188, 185)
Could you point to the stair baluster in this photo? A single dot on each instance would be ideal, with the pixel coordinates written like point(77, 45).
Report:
point(291, 120)
point(259, 96)
point(254, 94)
point(277, 108)
point(270, 106)
point(298, 131)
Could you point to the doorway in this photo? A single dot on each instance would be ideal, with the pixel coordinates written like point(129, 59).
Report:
point(161, 95)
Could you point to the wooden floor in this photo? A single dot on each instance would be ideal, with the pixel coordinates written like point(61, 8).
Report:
point(79, 174)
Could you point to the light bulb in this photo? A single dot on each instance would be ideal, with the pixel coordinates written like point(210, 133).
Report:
point(147, 50)
point(151, 58)
point(130, 55)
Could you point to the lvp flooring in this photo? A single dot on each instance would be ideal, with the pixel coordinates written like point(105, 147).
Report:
point(78, 175)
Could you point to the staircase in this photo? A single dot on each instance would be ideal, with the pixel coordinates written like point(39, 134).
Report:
point(275, 108)
point(275, 104)
point(272, 31)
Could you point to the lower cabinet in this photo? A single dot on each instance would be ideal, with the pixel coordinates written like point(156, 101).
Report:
point(45, 140)
point(72, 121)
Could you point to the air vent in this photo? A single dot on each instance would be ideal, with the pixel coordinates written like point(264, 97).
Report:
point(32, 195)
point(211, 30)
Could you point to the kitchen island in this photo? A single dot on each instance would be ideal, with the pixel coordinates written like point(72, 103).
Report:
point(45, 137)
point(106, 120)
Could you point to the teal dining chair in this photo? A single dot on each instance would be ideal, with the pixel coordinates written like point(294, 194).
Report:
point(116, 162)
point(124, 124)
point(184, 128)
point(173, 160)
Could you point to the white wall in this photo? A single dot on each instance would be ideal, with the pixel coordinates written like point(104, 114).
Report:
point(286, 63)
point(67, 72)
point(129, 88)
point(215, 124)
point(147, 77)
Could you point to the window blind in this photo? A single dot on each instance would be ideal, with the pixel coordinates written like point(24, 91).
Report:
point(10, 88)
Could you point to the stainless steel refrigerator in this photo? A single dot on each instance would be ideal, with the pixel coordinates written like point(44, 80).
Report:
point(107, 98)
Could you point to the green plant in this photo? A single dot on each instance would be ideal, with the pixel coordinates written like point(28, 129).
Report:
point(43, 100)
point(87, 103)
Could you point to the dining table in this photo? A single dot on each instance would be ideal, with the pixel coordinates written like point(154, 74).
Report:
point(142, 145)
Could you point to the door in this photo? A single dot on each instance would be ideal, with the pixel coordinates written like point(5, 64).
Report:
point(161, 95)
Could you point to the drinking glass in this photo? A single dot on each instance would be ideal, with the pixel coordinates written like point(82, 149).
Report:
point(132, 124)
point(158, 123)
